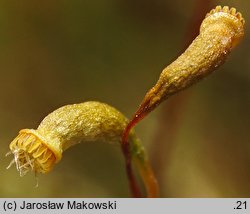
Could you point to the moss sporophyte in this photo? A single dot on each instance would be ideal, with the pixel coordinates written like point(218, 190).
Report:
point(221, 30)
point(39, 150)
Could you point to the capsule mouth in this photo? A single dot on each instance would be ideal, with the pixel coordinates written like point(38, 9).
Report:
point(31, 154)
point(232, 11)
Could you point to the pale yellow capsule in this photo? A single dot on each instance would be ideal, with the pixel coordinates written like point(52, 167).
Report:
point(38, 150)
point(221, 30)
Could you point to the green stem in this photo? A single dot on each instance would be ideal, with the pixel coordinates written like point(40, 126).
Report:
point(140, 160)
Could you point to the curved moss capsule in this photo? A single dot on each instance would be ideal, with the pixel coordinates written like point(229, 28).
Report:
point(40, 149)
point(221, 30)
point(66, 126)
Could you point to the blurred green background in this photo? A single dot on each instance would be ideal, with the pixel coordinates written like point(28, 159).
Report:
point(55, 53)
